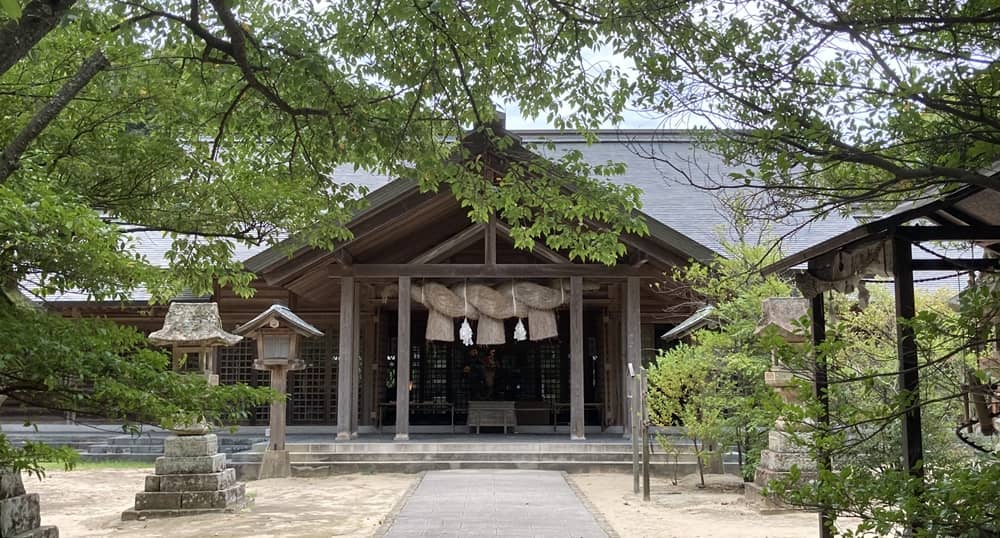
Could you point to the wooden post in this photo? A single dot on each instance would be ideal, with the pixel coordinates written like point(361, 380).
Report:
point(355, 363)
point(368, 367)
point(827, 517)
point(279, 384)
point(909, 374)
point(490, 247)
point(644, 429)
point(626, 379)
point(636, 433)
point(577, 430)
point(633, 354)
point(345, 389)
point(403, 362)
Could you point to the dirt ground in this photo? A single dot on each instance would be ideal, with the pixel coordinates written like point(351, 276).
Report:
point(687, 511)
point(88, 503)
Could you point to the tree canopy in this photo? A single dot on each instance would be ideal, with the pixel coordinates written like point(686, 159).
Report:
point(221, 121)
point(827, 104)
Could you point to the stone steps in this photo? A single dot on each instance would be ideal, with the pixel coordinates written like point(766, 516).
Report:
point(335, 468)
point(305, 458)
point(324, 458)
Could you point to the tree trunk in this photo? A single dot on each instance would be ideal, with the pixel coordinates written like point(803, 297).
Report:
point(18, 37)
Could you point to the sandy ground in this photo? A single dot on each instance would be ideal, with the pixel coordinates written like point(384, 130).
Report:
point(89, 504)
point(686, 510)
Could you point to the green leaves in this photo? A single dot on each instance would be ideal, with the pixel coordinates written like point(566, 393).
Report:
point(11, 8)
point(94, 367)
point(867, 102)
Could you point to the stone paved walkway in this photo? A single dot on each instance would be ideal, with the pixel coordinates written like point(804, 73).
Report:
point(478, 503)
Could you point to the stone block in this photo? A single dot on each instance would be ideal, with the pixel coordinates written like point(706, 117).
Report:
point(157, 501)
point(152, 483)
point(19, 514)
point(780, 441)
point(195, 465)
point(41, 532)
point(191, 446)
point(11, 485)
point(212, 499)
point(198, 482)
point(783, 461)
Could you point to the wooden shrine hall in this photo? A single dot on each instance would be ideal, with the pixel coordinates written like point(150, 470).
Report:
point(379, 296)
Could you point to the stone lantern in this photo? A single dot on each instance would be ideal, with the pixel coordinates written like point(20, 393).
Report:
point(194, 328)
point(781, 314)
point(278, 332)
point(191, 477)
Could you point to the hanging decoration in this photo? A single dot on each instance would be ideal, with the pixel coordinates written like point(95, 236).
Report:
point(520, 334)
point(490, 306)
point(465, 332)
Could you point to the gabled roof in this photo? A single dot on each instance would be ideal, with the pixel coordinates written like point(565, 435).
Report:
point(278, 311)
point(969, 206)
point(700, 319)
point(661, 236)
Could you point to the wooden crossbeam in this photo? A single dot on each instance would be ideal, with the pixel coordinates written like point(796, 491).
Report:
point(508, 270)
point(451, 245)
point(539, 249)
point(956, 264)
point(949, 233)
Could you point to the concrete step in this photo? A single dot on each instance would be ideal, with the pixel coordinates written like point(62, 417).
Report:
point(501, 447)
point(306, 458)
point(319, 470)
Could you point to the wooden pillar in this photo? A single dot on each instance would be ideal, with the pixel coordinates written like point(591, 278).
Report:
point(403, 362)
point(909, 374)
point(355, 365)
point(345, 372)
point(279, 384)
point(490, 248)
point(368, 369)
point(633, 336)
point(633, 355)
point(626, 380)
point(576, 410)
point(827, 517)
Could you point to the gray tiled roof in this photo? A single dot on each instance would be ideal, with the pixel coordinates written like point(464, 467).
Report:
point(667, 196)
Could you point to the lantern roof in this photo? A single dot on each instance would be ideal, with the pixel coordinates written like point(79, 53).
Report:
point(279, 313)
point(194, 324)
point(784, 313)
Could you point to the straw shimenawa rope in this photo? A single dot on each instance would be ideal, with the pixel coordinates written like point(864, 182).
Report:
point(490, 306)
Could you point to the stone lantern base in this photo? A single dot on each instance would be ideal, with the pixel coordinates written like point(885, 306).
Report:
point(190, 479)
point(776, 461)
point(19, 511)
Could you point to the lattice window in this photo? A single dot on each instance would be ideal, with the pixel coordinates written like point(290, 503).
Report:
point(459, 377)
point(236, 363)
point(262, 414)
point(435, 372)
point(310, 389)
point(546, 356)
point(416, 369)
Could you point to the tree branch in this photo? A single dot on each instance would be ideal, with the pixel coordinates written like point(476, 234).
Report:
point(38, 19)
point(16, 148)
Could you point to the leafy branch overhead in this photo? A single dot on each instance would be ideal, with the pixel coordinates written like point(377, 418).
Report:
point(220, 122)
point(826, 104)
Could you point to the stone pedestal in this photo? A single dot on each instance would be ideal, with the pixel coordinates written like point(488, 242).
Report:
point(19, 511)
point(190, 479)
point(776, 461)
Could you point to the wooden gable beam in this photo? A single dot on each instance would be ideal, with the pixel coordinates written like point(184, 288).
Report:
point(502, 270)
point(539, 249)
point(451, 245)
